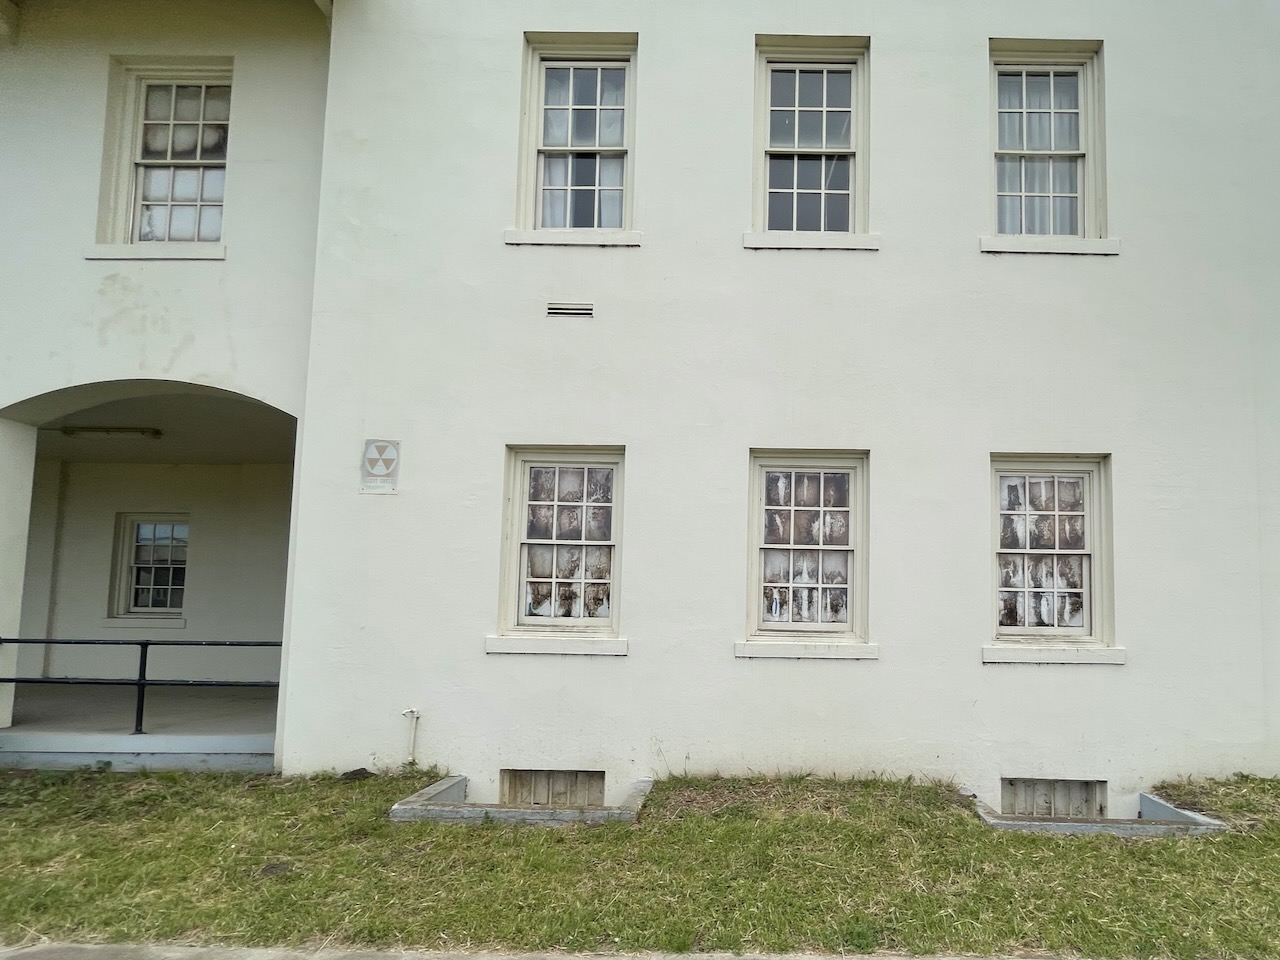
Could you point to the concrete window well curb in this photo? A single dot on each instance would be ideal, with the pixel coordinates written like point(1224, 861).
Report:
point(1157, 817)
point(446, 801)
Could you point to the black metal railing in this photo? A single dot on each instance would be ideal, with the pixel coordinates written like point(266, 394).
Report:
point(143, 681)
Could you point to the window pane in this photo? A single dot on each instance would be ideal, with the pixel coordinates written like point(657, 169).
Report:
point(217, 103)
point(152, 223)
point(611, 170)
point(782, 129)
point(839, 132)
point(782, 171)
point(584, 169)
point(780, 211)
point(1009, 91)
point(1064, 174)
point(611, 211)
point(1066, 91)
point(553, 207)
point(838, 173)
point(611, 128)
point(1008, 174)
point(1036, 170)
point(584, 128)
point(213, 142)
point(1038, 131)
point(214, 182)
point(810, 129)
point(1010, 125)
point(809, 173)
point(584, 85)
point(808, 211)
point(1064, 216)
point(186, 138)
point(584, 208)
point(837, 212)
point(555, 128)
point(1038, 91)
point(187, 103)
point(835, 605)
point(182, 223)
point(782, 88)
point(1009, 215)
point(186, 184)
point(155, 141)
point(810, 88)
point(555, 171)
point(210, 224)
point(613, 87)
point(1066, 131)
point(159, 103)
point(839, 88)
point(1037, 212)
point(155, 183)
point(557, 86)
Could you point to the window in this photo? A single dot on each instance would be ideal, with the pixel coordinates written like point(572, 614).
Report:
point(578, 131)
point(1050, 550)
point(152, 559)
point(564, 528)
point(811, 127)
point(808, 569)
point(181, 163)
point(165, 160)
point(1048, 142)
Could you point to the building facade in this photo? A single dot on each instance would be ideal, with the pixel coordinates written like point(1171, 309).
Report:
point(835, 387)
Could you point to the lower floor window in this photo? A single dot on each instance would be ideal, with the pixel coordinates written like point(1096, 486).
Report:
point(810, 544)
point(154, 564)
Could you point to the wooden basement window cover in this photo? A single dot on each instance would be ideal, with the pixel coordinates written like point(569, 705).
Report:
point(552, 788)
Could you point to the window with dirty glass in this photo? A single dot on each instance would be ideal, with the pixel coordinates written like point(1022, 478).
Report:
point(809, 551)
point(566, 528)
point(180, 162)
point(582, 144)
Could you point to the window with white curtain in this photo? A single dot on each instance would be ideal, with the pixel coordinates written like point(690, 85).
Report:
point(1048, 139)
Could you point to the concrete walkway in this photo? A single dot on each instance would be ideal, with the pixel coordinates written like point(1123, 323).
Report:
point(63, 951)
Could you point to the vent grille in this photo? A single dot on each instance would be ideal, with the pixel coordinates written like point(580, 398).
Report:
point(552, 788)
point(585, 310)
point(1061, 799)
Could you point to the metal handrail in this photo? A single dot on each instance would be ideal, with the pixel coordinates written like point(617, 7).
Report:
point(142, 681)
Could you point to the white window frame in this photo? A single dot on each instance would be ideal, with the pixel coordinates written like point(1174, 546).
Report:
point(774, 52)
point(1084, 58)
point(122, 606)
point(572, 50)
point(818, 640)
point(126, 87)
point(1094, 642)
point(586, 635)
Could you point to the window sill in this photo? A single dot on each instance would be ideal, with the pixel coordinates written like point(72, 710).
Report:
point(562, 646)
point(808, 649)
point(779, 240)
point(157, 251)
point(573, 238)
point(1042, 653)
point(1078, 245)
point(144, 623)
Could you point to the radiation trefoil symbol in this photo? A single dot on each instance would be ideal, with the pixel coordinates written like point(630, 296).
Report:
point(381, 458)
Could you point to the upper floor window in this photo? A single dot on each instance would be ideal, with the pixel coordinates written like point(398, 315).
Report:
point(1048, 134)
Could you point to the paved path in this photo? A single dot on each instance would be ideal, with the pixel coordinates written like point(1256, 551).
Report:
point(65, 951)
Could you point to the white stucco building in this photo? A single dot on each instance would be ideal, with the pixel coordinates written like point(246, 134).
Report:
point(840, 386)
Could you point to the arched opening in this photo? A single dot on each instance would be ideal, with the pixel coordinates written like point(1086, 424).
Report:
point(159, 512)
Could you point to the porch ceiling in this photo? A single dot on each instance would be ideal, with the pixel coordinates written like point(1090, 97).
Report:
point(194, 429)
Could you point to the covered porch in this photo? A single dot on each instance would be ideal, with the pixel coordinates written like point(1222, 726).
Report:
point(156, 546)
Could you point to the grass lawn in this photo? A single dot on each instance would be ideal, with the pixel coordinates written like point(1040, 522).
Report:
point(714, 864)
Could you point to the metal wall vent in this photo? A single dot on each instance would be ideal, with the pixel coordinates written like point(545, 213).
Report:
point(585, 310)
